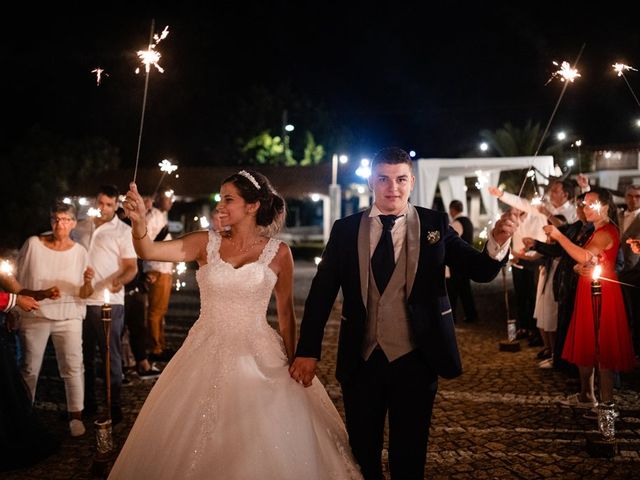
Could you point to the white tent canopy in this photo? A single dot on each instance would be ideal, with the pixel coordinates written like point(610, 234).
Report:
point(449, 174)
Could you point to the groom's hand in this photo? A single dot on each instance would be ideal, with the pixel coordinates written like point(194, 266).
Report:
point(303, 369)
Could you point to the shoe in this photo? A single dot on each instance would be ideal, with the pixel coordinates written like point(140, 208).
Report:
point(574, 401)
point(535, 342)
point(543, 354)
point(76, 427)
point(116, 415)
point(149, 374)
point(547, 363)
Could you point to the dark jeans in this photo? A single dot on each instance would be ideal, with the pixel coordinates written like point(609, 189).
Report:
point(406, 389)
point(135, 312)
point(93, 335)
point(459, 286)
point(524, 284)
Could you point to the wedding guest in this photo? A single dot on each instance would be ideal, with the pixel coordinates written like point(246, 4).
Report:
point(629, 223)
point(615, 350)
point(458, 285)
point(23, 439)
point(56, 260)
point(111, 255)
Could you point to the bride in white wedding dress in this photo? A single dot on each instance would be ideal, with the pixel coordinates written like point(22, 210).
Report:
point(225, 407)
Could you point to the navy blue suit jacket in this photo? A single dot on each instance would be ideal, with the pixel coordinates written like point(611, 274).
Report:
point(431, 244)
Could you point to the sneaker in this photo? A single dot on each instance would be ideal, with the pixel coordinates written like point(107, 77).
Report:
point(150, 374)
point(574, 401)
point(76, 427)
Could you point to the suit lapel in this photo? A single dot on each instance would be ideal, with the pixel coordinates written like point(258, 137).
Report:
point(364, 255)
point(413, 246)
point(633, 229)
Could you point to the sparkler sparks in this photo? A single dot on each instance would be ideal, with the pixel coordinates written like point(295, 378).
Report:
point(566, 73)
point(94, 212)
point(99, 71)
point(151, 56)
point(620, 68)
point(6, 268)
point(167, 167)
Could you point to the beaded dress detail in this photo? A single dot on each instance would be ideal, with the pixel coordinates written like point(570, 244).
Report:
point(225, 406)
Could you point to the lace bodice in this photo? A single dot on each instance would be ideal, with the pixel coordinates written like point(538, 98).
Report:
point(235, 297)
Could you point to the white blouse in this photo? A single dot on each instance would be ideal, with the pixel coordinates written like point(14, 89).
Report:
point(40, 267)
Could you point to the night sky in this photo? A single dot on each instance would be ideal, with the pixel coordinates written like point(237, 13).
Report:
point(419, 75)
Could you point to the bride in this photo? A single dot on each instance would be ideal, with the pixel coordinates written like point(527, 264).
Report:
point(225, 407)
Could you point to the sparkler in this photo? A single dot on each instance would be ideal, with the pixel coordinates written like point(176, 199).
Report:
point(99, 71)
point(6, 268)
point(165, 167)
point(149, 57)
point(620, 69)
point(567, 75)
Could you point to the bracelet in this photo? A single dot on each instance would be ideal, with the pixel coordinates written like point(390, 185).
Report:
point(139, 238)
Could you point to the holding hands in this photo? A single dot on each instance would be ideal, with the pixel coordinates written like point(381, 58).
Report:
point(303, 369)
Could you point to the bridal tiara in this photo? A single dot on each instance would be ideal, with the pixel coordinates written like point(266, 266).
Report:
point(249, 177)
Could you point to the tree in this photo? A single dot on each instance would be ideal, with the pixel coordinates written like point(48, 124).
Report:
point(265, 149)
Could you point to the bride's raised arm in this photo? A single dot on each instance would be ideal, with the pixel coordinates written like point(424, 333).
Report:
point(187, 248)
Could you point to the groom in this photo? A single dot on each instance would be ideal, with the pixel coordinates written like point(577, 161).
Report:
point(396, 333)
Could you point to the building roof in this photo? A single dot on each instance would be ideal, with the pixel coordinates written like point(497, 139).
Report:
point(201, 182)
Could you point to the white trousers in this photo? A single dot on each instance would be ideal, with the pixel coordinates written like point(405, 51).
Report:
point(66, 336)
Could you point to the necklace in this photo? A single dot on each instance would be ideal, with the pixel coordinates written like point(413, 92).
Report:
point(247, 248)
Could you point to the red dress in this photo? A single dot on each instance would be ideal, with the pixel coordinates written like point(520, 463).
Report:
point(616, 349)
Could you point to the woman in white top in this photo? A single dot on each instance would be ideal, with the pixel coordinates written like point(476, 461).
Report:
point(56, 260)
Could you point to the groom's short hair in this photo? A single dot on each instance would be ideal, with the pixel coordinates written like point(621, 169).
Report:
point(392, 156)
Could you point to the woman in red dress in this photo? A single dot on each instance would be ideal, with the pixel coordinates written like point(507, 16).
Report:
point(615, 349)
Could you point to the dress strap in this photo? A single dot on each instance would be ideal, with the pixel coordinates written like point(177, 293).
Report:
point(213, 246)
point(269, 251)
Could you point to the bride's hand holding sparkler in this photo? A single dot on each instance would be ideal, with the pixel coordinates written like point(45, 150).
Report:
point(552, 232)
point(135, 210)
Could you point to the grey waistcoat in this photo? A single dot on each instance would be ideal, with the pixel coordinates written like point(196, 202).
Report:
point(387, 318)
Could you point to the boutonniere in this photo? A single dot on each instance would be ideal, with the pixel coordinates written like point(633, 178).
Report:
point(433, 236)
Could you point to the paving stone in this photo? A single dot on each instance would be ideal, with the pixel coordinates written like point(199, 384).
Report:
point(499, 420)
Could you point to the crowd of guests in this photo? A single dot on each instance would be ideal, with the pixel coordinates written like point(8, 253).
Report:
point(61, 282)
point(555, 250)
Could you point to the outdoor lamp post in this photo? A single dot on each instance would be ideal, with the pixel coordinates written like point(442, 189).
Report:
point(104, 436)
point(335, 192)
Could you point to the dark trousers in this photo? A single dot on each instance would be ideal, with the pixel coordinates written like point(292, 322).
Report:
point(524, 285)
point(459, 286)
point(135, 313)
point(92, 336)
point(405, 388)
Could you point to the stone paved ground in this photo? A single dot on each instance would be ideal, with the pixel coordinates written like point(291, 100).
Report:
point(499, 420)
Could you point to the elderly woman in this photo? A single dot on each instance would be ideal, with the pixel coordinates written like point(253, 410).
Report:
point(53, 259)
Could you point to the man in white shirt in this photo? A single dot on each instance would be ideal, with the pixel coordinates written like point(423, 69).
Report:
point(159, 276)
point(111, 254)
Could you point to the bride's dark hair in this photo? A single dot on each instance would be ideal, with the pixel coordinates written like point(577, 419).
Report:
point(255, 187)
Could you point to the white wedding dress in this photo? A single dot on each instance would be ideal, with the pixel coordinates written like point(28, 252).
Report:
point(225, 406)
